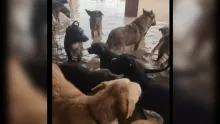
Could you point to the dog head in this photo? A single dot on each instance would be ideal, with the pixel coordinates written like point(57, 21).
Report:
point(98, 48)
point(150, 14)
point(129, 66)
point(127, 94)
point(95, 16)
point(66, 12)
point(164, 30)
point(76, 33)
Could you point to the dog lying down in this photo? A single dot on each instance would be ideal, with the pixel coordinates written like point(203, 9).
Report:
point(26, 105)
point(86, 79)
point(112, 100)
point(127, 65)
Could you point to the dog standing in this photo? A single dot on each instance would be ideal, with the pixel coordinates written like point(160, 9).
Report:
point(57, 7)
point(164, 44)
point(131, 33)
point(73, 42)
point(95, 21)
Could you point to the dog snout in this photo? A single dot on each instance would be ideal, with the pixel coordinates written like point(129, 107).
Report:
point(84, 38)
point(154, 23)
point(89, 50)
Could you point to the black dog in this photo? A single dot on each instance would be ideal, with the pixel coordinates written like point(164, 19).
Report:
point(58, 6)
point(155, 96)
point(107, 57)
point(73, 42)
point(83, 78)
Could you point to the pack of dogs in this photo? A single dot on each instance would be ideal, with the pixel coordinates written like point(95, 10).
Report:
point(120, 89)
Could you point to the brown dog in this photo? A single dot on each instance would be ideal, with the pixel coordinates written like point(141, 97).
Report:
point(163, 45)
point(95, 21)
point(112, 100)
point(131, 33)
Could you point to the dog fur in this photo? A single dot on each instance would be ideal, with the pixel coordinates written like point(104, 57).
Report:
point(145, 122)
point(73, 42)
point(95, 21)
point(111, 100)
point(126, 64)
point(26, 104)
point(85, 79)
point(131, 33)
point(58, 7)
point(163, 45)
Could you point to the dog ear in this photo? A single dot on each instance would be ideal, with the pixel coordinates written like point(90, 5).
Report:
point(151, 13)
point(88, 12)
point(101, 13)
point(99, 87)
point(125, 110)
point(144, 11)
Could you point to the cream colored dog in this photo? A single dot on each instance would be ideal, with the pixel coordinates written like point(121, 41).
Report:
point(111, 100)
point(146, 122)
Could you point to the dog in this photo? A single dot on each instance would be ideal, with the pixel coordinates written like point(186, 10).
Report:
point(156, 93)
point(57, 7)
point(111, 100)
point(163, 45)
point(107, 57)
point(73, 42)
point(131, 68)
point(95, 21)
point(131, 33)
point(86, 79)
point(164, 30)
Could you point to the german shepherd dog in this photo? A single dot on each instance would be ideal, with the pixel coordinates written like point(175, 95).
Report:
point(131, 33)
point(95, 21)
point(163, 45)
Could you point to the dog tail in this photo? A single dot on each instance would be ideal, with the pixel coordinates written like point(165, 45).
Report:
point(158, 70)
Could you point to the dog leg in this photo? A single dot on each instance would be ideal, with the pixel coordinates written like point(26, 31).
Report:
point(160, 54)
point(136, 46)
point(98, 32)
point(92, 33)
point(122, 49)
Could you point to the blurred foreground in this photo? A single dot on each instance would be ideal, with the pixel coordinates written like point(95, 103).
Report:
point(27, 63)
point(193, 59)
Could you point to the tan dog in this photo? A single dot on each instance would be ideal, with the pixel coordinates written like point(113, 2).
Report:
point(26, 105)
point(112, 100)
point(145, 122)
point(131, 33)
